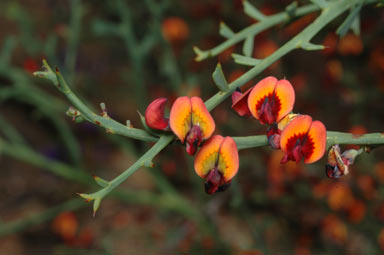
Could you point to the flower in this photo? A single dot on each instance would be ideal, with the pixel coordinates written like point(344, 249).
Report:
point(191, 121)
point(217, 162)
point(154, 114)
point(338, 164)
point(303, 138)
point(240, 102)
point(270, 100)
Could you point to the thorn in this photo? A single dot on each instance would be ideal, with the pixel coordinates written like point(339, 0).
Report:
point(57, 69)
point(104, 112)
point(97, 123)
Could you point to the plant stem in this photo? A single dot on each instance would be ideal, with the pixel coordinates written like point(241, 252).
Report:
point(334, 9)
point(333, 138)
point(144, 160)
point(255, 29)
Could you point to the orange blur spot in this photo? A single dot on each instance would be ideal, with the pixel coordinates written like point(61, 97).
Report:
point(350, 44)
point(65, 225)
point(334, 229)
point(379, 171)
point(174, 29)
point(340, 197)
point(356, 212)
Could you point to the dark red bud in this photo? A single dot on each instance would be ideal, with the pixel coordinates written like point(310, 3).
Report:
point(194, 139)
point(240, 103)
point(215, 182)
point(154, 114)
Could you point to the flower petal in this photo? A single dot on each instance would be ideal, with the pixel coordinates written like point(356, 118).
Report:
point(286, 95)
point(180, 117)
point(202, 117)
point(228, 163)
point(314, 147)
point(240, 102)
point(206, 157)
point(259, 93)
point(154, 114)
point(296, 129)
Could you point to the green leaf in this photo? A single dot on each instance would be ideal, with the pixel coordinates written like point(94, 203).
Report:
point(101, 182)
point(291, 8)
point(200, 54)
point(248, 46)
point(96, 205)
point(225, 31)
point(355, 27)
point(219, 78)
point(321, 3)
point(346, 25)
point(311, 46)
point(243, 60)
point(253, 12)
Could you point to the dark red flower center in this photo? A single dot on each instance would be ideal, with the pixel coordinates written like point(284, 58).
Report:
point(298, 146)
point(268, 107)
point(215, 182)
point(194, 139)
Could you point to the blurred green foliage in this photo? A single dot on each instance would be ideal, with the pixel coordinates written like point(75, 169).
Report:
point(125, 54)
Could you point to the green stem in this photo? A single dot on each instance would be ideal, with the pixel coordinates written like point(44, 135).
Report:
point(334, 9)
point(144, 160)
point(253, 30)
point(77, 12)
point(26, 222)
point(333, 138)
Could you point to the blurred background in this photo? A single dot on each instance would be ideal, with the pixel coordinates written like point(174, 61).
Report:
point(127, 53)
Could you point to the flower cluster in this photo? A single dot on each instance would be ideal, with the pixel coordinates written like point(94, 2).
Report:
point(271, 102)
point(217, 161)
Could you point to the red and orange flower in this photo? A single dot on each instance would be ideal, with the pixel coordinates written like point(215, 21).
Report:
point(191, 121)
point(271, 100)
point(217, 162)
point(304, 139)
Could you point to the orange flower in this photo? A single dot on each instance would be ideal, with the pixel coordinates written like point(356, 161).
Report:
point(270, 100)
point(303, 138)
point(217, 162)
point(190, 120)
point(154, 114)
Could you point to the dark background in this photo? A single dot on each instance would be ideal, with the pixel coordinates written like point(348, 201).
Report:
point(127, 53)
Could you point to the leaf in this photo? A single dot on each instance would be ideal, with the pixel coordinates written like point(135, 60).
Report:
point(225, 31)
point(253, 12)
point(101, 182)
point(248, 46)
point(96, 205)
point(311, 46)
point(355, 27)
point(243, 60)
point(291, 9)
point(219, 78)
point(346, 25)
